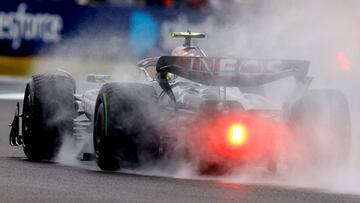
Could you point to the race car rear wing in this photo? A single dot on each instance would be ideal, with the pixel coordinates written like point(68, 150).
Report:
point(231, 72)
point(216, 71)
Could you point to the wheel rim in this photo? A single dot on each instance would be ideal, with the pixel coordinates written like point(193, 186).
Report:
point(99, 127)
point(27, 115)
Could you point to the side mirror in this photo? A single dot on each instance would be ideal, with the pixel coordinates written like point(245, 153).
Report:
point(98, 78)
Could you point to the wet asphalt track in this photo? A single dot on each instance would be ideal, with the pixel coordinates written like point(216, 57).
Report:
point(24, 181)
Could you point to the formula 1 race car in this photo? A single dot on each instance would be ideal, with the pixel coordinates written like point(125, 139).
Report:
point(212, 112)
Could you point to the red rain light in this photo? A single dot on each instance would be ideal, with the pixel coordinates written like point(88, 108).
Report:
point(343, 61)
point(237, 135)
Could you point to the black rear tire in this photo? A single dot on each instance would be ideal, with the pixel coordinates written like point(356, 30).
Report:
point(48, 112)
point(124, 126)
point(322, 117)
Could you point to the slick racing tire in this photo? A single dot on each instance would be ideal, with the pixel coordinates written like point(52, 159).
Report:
point(322, 117)
point(124, 132)
point(48, 112)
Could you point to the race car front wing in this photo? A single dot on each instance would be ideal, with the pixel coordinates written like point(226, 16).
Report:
point(15, 138)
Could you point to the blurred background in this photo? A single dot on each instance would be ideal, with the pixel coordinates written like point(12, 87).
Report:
point(97, 36)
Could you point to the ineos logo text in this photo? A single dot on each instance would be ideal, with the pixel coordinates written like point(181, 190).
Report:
point(228, 67)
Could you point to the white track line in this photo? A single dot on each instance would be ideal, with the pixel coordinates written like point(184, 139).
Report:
point(12, 96)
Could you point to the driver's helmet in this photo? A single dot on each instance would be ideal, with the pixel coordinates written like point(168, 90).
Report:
point(185, 51)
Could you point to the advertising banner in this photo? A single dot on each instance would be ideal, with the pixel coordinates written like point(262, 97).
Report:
point(59, 27)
